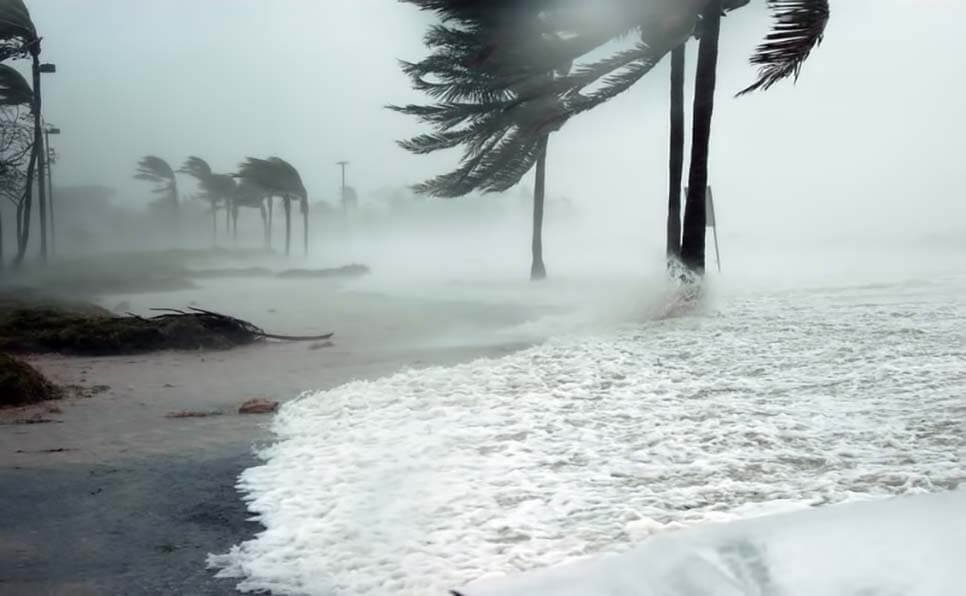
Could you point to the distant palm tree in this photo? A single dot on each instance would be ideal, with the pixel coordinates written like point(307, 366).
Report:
point(249, 195)
point(217, 189)
point(279, 178)
point(154, 169)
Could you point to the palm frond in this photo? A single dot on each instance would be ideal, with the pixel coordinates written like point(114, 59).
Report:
point(154, 166)
point(15, 22)
point(14, 89)
point(196, 167)
point(274, 174)
point(798, 29)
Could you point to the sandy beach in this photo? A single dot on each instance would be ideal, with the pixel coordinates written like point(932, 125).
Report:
point(110, 495)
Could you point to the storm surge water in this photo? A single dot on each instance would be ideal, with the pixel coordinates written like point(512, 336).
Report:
point(756, 400)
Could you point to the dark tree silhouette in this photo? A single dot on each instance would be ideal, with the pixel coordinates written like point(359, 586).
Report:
point(507, 58)
point(217, 189)
point(279, 178)
point(503, 136)
point(154, 169)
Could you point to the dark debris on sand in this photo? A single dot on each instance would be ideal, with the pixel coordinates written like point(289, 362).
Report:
point(49, 328)
point(22, 384)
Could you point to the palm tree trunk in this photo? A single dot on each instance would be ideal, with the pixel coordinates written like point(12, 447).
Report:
point(39, 143)
point(287, 203)
point(261, 210)
point(271, 212)
point(234, 223)
point(538, 270)
point(24, 210)
point(676, 160)
point(695, 217)
point(305, 225)
point(214, 224)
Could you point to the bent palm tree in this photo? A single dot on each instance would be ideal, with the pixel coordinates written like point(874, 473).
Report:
point(279, 178)
point(504, 135)
point(508, 64)
point(217, 189)
point(154, 169)
point(249, 195)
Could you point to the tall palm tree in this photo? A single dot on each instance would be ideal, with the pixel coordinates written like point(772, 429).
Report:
point(509, 66)
point(217, 189)
point(154, 169)
point(503, 135)
point(249, 195)
point(279, 178)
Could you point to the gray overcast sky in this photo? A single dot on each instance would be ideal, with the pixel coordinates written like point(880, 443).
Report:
point(875, 123)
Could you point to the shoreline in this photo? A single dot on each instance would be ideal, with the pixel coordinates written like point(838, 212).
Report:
point(113, 497)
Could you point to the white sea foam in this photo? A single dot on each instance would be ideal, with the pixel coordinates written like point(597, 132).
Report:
point(587, 444)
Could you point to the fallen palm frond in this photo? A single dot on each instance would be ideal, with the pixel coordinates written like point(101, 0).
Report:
point(50, 329)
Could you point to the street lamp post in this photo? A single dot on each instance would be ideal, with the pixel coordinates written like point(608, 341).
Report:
point(51, 130)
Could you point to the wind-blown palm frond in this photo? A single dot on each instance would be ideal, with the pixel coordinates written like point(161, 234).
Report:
point(798, 29)
point(154, 169)
point(196, 167)
point(17, 31)
point(214, 187)
point(274, 174)
point(14, 89)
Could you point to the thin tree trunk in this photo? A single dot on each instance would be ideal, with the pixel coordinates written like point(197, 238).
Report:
point(676, 160)
point(287, 203)
point(305, 225)
point(234, 223)
point(261, 210)
point(538, 270)
point(214, 224)
point(39, 143)
point(24, 210)
point(695, 217)
point(271, 216)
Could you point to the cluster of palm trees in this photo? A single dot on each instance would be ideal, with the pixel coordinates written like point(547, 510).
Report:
point(505, 75)
point(19, 39)
point(256, 185)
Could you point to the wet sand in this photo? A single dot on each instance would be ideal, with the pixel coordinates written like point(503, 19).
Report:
point(114, 497)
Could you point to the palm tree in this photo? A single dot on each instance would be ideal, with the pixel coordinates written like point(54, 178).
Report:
point(503, 135)
point(154, 169)
point(217, 189)
point(248, 194)
point(279, 178)
point(510, 66)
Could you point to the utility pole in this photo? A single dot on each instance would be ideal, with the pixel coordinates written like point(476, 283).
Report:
point(51, 130)
point(342, 198)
